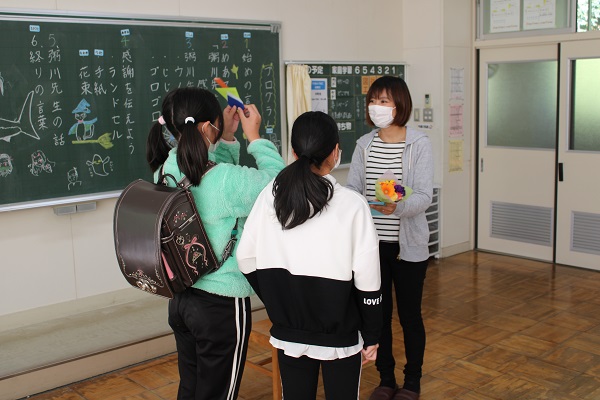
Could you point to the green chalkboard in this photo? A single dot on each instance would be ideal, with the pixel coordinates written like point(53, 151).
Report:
point(78, 95)
point(339, 89)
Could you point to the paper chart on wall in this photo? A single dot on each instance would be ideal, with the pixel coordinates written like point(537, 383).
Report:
point(539, 14)
point(504, 15)
point(456, 120)
point(455, 159)
point(456, 103)
point(457, 83)
point(318, 92)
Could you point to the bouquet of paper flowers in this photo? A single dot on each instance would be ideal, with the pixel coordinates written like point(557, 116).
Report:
point(389, 190)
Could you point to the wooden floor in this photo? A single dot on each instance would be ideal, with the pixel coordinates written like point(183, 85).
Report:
point(498, 328)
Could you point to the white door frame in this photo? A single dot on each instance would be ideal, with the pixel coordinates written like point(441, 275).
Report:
point(578, 194)
point(514, 184)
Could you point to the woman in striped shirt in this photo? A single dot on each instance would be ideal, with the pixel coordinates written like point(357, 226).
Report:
point(402, 226)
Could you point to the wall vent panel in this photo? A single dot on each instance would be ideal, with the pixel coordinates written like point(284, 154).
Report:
point(522, 223)
point(585, 232)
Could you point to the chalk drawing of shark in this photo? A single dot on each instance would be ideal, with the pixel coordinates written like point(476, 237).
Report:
point(23, 124)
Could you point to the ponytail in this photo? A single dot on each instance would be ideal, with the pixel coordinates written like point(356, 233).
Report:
point(191, 106)
point(192, 154)
point(300, 193)
point(157, 149)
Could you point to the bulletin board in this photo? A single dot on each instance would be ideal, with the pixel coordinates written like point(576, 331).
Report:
point(79, 93)
point(340, 89)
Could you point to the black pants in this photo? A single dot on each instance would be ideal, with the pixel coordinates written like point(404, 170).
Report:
point(211, 333)
point(300, 376)
point(408, 279)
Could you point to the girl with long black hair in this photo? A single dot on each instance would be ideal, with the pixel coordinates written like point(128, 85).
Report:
point(212, 319)
point(309, 249)
point(162, 138)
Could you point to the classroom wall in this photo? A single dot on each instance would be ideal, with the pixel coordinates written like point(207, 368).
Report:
point(457, 208)
point(433, 46)
point(69, 260)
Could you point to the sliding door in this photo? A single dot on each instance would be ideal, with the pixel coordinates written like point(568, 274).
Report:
point(578, 205)
point(517, 150)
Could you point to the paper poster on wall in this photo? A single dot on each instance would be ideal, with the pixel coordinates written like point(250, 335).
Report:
point(504, 15)
point(457, 83)
point(318, 93)
point(539, 14)
point(455, 159)
point(456, 120)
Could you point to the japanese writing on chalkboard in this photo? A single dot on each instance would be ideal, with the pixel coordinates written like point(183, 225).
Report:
point(77, 99)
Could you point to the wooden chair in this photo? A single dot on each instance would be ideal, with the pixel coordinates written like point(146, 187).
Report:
point(260, 335)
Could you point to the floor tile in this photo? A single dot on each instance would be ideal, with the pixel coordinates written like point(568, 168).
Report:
point(498, 328)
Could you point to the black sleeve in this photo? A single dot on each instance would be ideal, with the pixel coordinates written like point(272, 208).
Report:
point(369, 306)
point(253, 281)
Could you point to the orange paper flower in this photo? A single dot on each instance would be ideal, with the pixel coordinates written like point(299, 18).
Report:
point(389, 190)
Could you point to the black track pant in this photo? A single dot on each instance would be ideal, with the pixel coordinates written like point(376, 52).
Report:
point(408, 279)
point(211, 333)
point(300, 376)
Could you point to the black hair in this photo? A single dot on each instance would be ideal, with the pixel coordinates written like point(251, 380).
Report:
point(397, 90)
point(299, 192)
point(192, 152)
point(157, 148)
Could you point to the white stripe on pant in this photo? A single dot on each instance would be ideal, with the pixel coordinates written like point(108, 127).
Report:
point(211, 333)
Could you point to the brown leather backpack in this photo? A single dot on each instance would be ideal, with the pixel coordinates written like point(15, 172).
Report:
point(160, 241)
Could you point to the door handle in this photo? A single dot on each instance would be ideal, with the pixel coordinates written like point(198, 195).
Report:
point(481, 165)
point(560, 172)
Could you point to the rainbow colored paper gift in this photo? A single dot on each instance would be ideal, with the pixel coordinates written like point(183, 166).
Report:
point(389, 190)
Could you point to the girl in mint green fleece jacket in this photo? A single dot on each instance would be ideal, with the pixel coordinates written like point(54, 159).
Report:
point(212, 319)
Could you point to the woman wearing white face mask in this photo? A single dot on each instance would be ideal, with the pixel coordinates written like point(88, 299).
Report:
point(402, 226)
point(310, 251)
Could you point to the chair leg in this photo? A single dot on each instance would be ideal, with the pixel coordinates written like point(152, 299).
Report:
point(277, 395)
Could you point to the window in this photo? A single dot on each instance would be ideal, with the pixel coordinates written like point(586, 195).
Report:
point(522, 104)
point(588, 15)
point(585, 119)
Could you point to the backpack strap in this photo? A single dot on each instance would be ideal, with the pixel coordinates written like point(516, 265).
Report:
point(185, 183)
point(230, 245)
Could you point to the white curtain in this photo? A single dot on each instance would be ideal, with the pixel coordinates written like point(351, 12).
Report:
point(298, 98)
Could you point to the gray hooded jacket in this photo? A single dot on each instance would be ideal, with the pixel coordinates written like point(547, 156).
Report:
point(417, 173)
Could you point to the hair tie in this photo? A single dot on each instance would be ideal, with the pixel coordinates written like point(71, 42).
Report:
point(310, 159)
point(161, 120)
point(190, 119)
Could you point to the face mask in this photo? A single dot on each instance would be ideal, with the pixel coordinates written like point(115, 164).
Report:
point(213, 146)
point(338, 161)
point(381, 115)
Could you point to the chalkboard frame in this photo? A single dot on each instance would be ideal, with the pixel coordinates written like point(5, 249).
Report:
point(26, 15)
point(347, 151)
